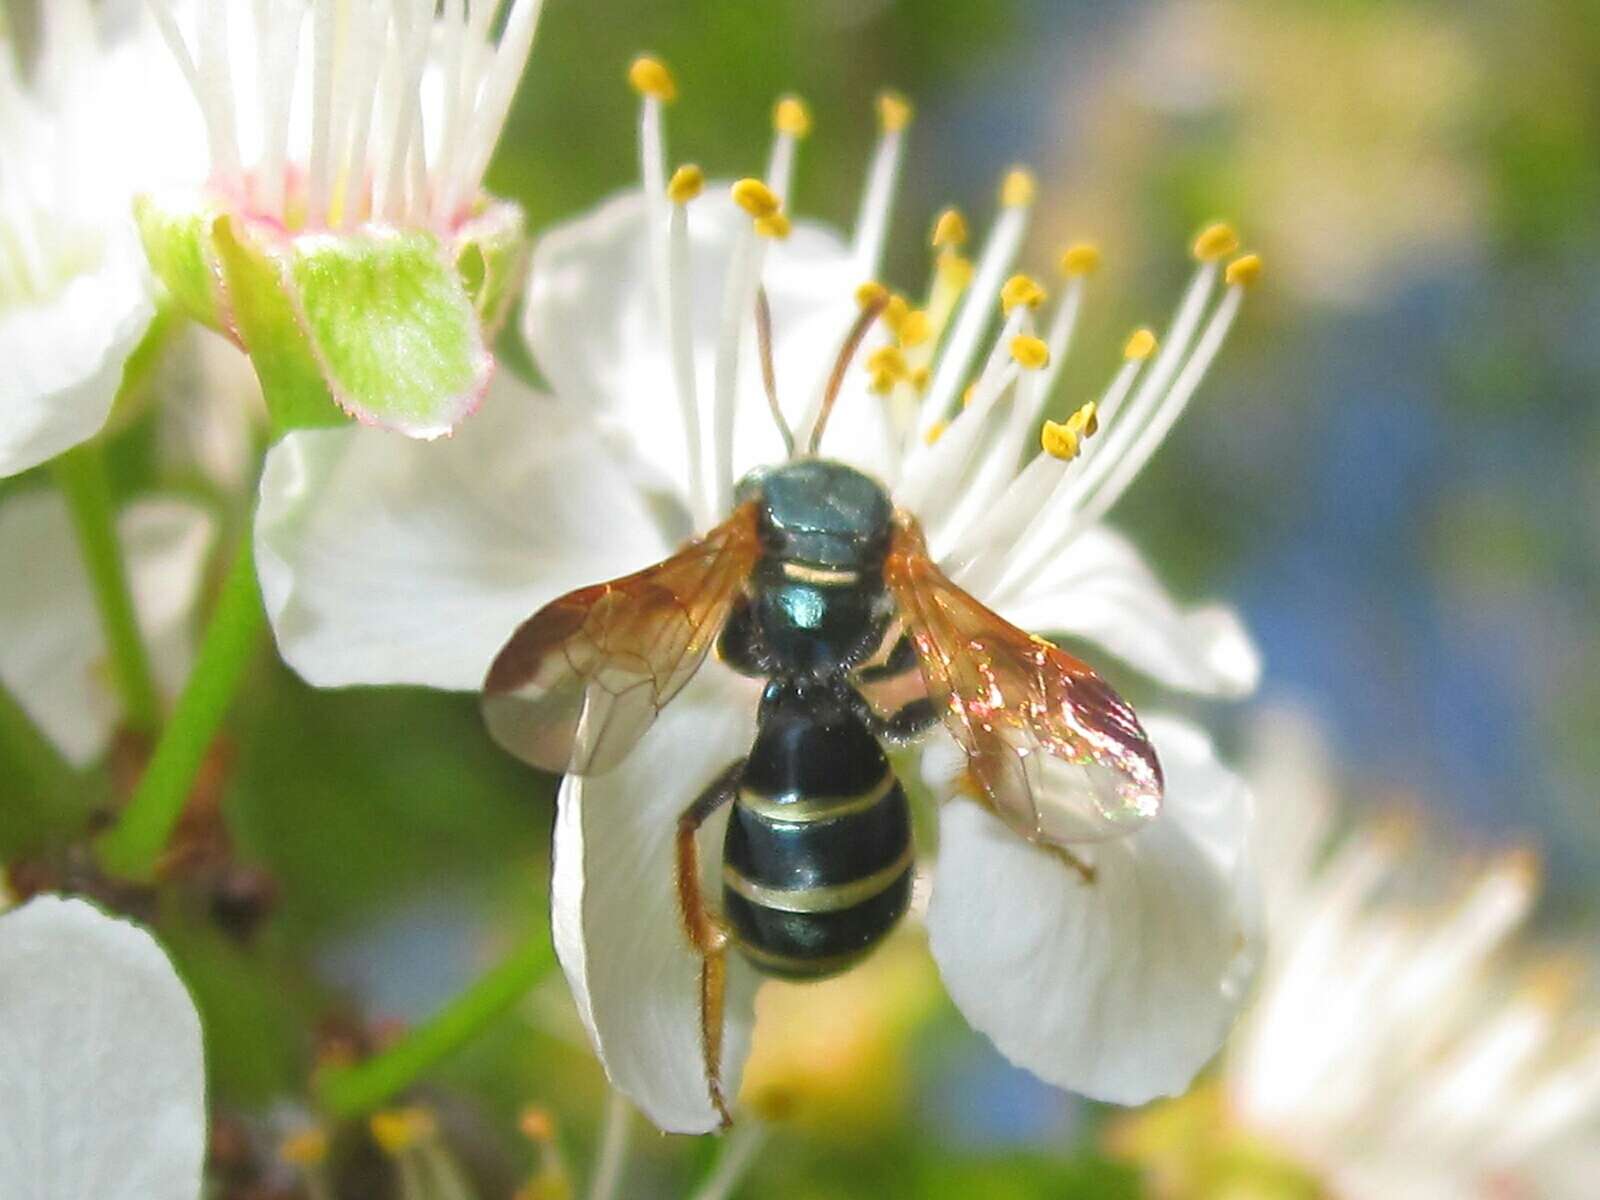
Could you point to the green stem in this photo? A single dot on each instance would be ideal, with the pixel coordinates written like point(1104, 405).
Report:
point(132, 847)
point(346, 1092)
point(81, 474)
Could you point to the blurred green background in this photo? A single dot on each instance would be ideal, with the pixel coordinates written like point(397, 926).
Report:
point(1394, 471)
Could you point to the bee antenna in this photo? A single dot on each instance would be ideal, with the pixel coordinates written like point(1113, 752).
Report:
point(852, 343)
point(769, 377)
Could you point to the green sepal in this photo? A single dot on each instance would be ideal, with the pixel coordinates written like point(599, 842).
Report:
point(491, 253)
point(177, 243)
point(393, 328)
point(292, 382)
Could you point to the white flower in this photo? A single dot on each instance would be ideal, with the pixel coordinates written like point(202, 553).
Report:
point(53, 654)
point(342, 236)
point(102, 1082)
point(81, 129)
point(383, 562)
point(1397, 1045)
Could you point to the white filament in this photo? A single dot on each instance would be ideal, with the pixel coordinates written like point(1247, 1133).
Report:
point(877, 199)
point(368, 133)
point(999, 252)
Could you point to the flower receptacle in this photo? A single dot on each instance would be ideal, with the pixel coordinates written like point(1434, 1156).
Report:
point(389, 326)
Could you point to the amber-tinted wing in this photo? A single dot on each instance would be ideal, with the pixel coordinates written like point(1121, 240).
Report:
point(581, 680)
point(1056, 752)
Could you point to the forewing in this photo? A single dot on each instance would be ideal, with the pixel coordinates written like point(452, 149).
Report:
point(581, 680)
point(1053, 748)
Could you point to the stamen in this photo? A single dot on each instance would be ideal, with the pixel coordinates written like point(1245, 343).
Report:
point(1215, 242)
point(217, 96)
point(1081, 258)
point(318, 185)
point(651, 78)
point(915, 329)
point(1016, 192)
point(1059, 440)
point(756, 198)
point(1146, 402)
point(775, 227)
point(1243, 271)
point(1012, 539)
point(930, 474)
point(1030, 352)
point(676, 305)
point(687, 182)
point(872, 222)
point(279, 35)
point(950, 230)
point(1023, 290)
point(1129, 464)
point(872, 294)
point(510, 57)
point(738, 298)
point(791, 122)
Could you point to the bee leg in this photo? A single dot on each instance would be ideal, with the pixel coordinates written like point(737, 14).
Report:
point(706, 931)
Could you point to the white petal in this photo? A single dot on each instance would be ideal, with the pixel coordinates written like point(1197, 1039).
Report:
point(618, 932)
point(53, 657)
point(1101, 590)
point(64, 357)
point(102, 1083)
point(594, 327)
point(1123, 988)
point(384, 560)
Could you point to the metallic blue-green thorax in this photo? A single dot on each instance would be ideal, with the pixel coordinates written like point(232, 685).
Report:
point(817, 604)
point(822, 513)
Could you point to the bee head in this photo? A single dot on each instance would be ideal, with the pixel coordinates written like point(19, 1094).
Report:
point(821, 512)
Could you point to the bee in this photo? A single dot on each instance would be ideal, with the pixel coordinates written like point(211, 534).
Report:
point(819, 587)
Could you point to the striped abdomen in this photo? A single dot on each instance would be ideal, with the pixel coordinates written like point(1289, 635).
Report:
point(817, 862)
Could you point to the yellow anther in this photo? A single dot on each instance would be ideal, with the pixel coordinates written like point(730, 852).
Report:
point(895, 312)
point(790, 115)
point(894, 111)
point(1085, 421)
point(935, 432)
point(1020, 290)
point(1243, 271)
point(776, 226)
point(955, 270)
point(1141, 345)
point(870, 293)
point(1030, 352)
point(398, 1129)
point(1216, 241)
point(1017, 188)
point(919, 378)
point(686, 183)
point(967, 393)
point(915, 328)
point(537, 1124)
point(307, 1148)
point(756, 198)
point(650, 77)
point(950, 229)
point(1058, 441)
point(882, 383)
point(887, 360)
point(1080, 258)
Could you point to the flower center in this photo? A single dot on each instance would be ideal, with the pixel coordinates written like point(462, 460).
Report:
point(328, 114)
